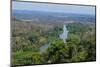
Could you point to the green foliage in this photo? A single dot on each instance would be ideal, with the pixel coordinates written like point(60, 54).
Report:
point(89, 43)
point(77, 27)
point(73, 39)
point(80, 55)
point(28, 37)
point(26, 57)
point(54, 53)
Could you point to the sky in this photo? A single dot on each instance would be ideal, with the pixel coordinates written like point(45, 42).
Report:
point(90, 10)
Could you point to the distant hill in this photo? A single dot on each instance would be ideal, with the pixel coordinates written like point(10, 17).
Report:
point(52, 16)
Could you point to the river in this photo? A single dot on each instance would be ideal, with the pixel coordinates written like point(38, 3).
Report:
point(62, 36)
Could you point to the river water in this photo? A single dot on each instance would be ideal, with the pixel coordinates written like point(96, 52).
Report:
point(62, 36)
point(45, 46)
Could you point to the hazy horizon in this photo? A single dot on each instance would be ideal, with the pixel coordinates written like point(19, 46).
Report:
point(44, 7)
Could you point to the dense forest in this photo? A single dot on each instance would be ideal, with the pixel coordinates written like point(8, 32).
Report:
point(28, 37)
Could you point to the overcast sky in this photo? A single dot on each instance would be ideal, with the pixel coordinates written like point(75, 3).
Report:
point(53, 7)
